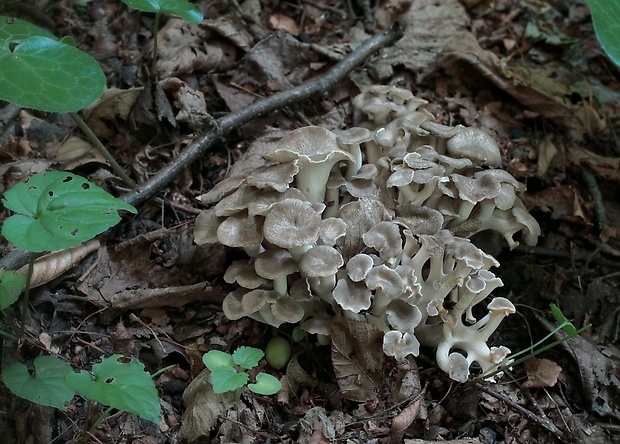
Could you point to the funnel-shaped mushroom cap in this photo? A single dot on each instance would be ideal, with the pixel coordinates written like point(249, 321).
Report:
point(292, 223)
point(400, 345)
point(475, 144)
point(316, 150)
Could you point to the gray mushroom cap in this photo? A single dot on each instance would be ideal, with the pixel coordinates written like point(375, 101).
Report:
point(400, 345)
point(352, 296)
point(317, 151)
point(474, 144)
point(242, 232)
point(276, 265)
point(292, 223)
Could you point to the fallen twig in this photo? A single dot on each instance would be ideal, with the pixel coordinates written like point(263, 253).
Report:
point(218, 128)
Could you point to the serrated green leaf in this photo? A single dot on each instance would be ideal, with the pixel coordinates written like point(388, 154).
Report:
point(247, 357)
point(182, 8)
point(606, 20)
point(266, 384)
point(215, 358)
point(123, 386)
point(227, 379)
point(38, 71)
point(58, 210)
point(11, 286)
point(46, 387)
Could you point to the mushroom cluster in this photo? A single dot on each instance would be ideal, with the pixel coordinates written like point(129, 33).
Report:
point(372, 222)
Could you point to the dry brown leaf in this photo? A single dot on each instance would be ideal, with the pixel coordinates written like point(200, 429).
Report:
point(202, 408)
point(281, 21)
point(541, 373)
point(114, 104)
point(52, 265)
point(357, 356)
point(563, 202)
point(74, 152)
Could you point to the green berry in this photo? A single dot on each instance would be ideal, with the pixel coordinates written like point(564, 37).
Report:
point(278, 352)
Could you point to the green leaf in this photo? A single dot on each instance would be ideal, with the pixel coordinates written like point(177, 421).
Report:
point(11, 286)
point(227, 379)
point(247, 357)
point(16, 30)
point(606, 19)
point(215, 358)
point(38, 71)
point(123, 386)
point(58, 210)
point(265, 384)
point(46, 387)
point(299, 334)
point(182, 8)
point(566, 325)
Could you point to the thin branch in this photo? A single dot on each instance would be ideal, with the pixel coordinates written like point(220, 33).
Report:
point(219, 128)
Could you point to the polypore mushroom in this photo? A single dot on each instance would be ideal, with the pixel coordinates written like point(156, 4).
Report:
point(276, 265)
point(399, 345)
point(292, 224)
point(385, 238)
point(352, 296)
point(317, 151)
point(242, 232)
point(476, 145)
point(320, 265)
point(350, 140)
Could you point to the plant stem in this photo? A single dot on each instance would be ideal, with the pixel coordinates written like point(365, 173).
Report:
point(100, 419)
point(154, 60)
point(7, 335)
point(163, 370)
point(103, 150)
point(26, 298)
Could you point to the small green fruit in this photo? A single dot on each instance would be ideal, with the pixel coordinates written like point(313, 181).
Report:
point(278, 352)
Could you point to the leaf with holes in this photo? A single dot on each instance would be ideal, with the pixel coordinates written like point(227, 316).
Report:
point(123, 386)
point(38, 71)
point(58, 210)
point(182, 8)
point(11, 286)
point(46, 387)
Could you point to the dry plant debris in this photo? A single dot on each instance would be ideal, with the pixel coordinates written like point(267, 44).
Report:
point(528, 73)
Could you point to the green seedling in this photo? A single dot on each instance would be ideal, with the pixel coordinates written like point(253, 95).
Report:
point(227, 377)
point(41, 72)
point(122, 386)
point(184, 9)
point(540, 347)
point(606, 20)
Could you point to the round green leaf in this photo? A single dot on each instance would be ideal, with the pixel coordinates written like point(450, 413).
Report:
point(215, 358)
point(45, 74)
point(16, 30)
point(46, 387)
point(247, 357)
point(58, 210)
point(123, 386)
point(227, 379)
point(265, 384)
point(11, 286)
point(606, 20)
point(182, 8)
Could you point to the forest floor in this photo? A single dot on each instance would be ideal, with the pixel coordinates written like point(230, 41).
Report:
point(529, 72)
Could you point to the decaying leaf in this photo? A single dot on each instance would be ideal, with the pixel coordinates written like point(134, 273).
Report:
point(202, 408)
point(357, 356)
point(52, 265)
point(541, 373)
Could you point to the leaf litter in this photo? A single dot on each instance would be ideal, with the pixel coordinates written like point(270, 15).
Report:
point(508, 67)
